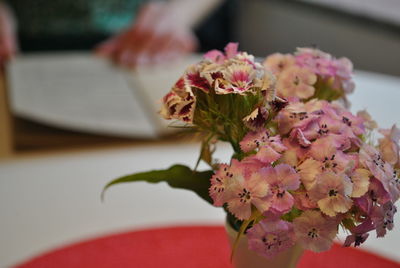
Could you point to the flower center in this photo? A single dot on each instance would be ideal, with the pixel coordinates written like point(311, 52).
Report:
point(245, 196)
point(313, 233)
point(333, 192)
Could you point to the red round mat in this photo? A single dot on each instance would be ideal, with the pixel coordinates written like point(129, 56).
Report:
point(189, 247)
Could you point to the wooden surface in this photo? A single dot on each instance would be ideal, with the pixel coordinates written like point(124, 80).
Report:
point(6, 137)
point(20, 137)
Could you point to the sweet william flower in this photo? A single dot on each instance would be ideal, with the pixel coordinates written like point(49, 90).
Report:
point(244, 192)
point(269, 149)
point(332, 191)
point(278, 62)
point(281, 179)
point(219, 183)
point(296, 82)
point(389, 145)
point(360, 180)
point(314, 231)
point(231, 50)
point(269, 237)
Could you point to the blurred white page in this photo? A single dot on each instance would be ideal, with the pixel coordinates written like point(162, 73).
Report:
point(81, 92)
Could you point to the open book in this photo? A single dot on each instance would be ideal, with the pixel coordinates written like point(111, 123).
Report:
point(79, 91)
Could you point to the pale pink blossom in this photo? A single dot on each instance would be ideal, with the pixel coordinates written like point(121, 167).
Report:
point(309, 170)
point(278, 62)
point(332, 193)
point(270, 237)
point(281, 179)
point(360, 180)
point(380, 169)
point(243, 192)
point(219, 183)
point(314, 231)
point(324, 150)
point(269, 149)
point(296, 82)
point(389, 145)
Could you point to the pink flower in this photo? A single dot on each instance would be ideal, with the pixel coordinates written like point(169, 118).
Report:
point(270, 237)
point(277, 62)
point(269, 148)
point(296, 82)
point(372, 159)
point(317, 61)
point(219, 182)
point(324, 150)
point(303, 201)
point(389, 145)
point(281, 179)
point(332, 191)
point(360, 180)
point(314, 231)
point(298, 115)
point(231, 50)
point(239, 79)
point(309, 170)
point(243, 192)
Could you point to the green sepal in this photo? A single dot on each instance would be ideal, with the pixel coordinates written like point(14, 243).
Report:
point(177, 176)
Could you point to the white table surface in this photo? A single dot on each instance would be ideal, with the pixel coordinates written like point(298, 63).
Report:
point(50, 201)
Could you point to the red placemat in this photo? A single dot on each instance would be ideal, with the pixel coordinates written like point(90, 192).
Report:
point(189, 247)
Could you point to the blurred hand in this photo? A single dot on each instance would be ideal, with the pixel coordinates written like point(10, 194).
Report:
point(156, 36)
point(8, 43)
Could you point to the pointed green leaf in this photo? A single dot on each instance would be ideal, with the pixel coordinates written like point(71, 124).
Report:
point(177, 176)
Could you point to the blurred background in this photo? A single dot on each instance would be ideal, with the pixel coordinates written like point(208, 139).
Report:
point(80, 88)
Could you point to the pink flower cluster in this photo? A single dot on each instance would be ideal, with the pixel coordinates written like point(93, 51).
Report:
point(303, 165)
point(298, 74)
point(318, 165)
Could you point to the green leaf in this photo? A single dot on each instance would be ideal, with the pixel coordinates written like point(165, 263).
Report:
point(177, 176)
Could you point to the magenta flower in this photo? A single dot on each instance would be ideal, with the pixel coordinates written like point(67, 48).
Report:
point(281, 179)
point(243, 192)
point(332, 193)
point(270, 237)
point(296, 82)
point(314, 231)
